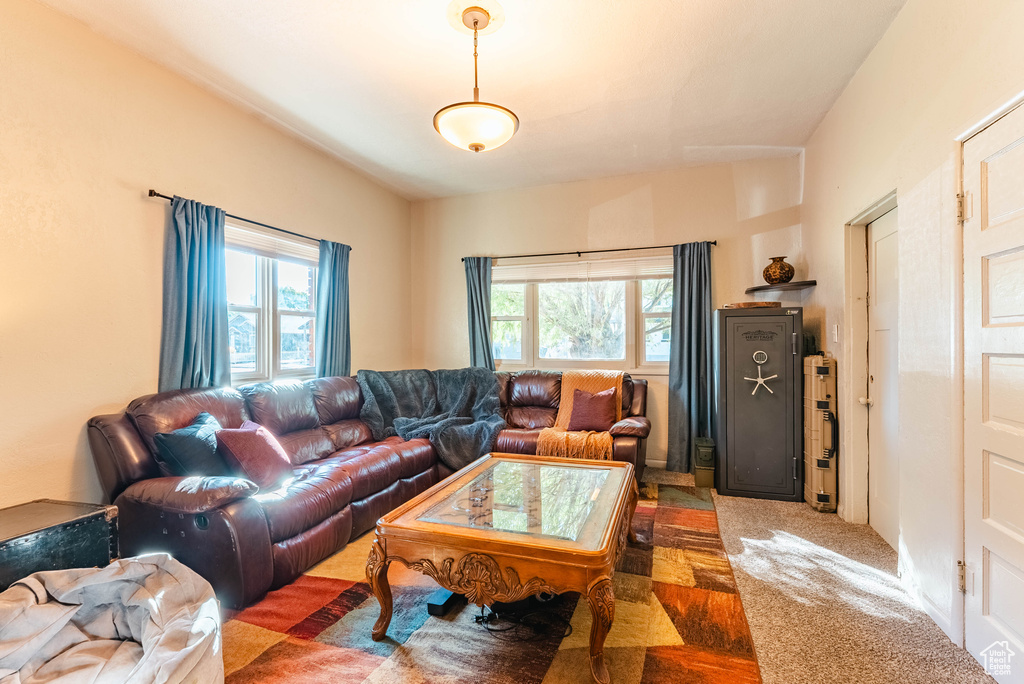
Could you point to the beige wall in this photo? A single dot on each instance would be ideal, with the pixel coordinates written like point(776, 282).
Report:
point(751, 208)
point(942, 66)
point(86, 127)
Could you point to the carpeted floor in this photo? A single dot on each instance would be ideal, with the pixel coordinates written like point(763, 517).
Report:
point(678, 618)
point(824, 603)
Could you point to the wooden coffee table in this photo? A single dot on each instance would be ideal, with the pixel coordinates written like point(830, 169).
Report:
point(510, 526)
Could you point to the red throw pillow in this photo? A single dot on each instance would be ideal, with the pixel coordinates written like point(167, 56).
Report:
point(252, 451)
point(592, 411)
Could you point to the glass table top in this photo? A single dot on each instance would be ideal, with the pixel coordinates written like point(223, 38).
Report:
point(572, 503)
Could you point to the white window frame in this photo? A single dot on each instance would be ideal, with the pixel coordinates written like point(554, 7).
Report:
point(658, 367)
point(633, 361)
point(527, 352)
point(268, 312)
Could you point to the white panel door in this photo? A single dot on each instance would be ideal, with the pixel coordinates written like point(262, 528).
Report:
point(994, 396)
point(883, 379)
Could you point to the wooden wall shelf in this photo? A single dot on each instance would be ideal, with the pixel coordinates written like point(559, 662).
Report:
point(799, 285)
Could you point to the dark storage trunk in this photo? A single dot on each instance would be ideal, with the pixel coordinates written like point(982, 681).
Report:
point(55, 535)
point(759, 426)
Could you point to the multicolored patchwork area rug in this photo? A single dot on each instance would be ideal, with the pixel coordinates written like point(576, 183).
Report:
point(678, 618)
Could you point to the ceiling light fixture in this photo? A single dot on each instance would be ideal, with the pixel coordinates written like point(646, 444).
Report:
point(476, 125)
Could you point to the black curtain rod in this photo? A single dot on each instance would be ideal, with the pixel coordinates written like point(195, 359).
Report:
point(584, 251)
point(154, 193)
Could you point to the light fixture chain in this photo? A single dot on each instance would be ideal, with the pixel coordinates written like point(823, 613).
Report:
point(476, 74)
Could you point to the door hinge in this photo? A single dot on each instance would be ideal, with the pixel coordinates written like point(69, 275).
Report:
point(964, 206)
point(961, 570)
point(794, 344)
point(794, 468)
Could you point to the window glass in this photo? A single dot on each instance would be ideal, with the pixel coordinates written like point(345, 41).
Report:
point(656, 295)
point(582, 320)
point(241, 277)
point(296, 341)
point(295, 286)
point(507, 300)
point(242, 338)
point(657, 338)
point(507, 340)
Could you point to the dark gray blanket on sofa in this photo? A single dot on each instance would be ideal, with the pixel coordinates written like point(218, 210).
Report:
point(458, 410)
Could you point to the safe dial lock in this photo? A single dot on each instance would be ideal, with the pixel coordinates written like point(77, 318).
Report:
point(759, 358)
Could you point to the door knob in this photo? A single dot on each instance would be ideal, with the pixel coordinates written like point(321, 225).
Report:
point(865, 401)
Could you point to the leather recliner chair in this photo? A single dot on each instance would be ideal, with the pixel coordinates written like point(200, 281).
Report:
point(244, 541)
point(529, 403)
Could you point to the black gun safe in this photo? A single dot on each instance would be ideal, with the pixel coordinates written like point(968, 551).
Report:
point(758, 368)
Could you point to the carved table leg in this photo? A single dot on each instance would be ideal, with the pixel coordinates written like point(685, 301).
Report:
point(602, 611)
point(377, 577)
point(633, 501)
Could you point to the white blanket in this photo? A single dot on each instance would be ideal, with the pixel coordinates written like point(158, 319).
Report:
point(142, 620)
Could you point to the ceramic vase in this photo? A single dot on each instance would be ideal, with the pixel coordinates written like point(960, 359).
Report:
point(778, 272)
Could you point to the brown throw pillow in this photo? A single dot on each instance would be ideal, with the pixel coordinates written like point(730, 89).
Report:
point(592, 411)
point(255, 454)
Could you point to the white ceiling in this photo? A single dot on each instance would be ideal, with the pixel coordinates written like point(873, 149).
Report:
point(601, 87)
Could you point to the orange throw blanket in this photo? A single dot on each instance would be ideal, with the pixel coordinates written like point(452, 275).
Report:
point(558, 441)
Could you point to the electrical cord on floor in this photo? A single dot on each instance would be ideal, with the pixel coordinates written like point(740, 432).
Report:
point(529, 623)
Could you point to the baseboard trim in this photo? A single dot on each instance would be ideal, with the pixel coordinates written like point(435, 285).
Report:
point(653, 463)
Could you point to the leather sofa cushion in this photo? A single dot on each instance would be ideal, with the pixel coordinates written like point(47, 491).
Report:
point(627, 394)
point(376, 466)
point(315, 492)
point(189, 494)
point(531, 417)
point(633, 426)
point(336, 399)
point(517, 441)
point(304, 446)
point(348, 433)
point(282, 407)
point(535, 388)
point(169, 411)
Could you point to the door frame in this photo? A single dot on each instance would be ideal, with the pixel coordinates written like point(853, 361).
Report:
point(853, 463)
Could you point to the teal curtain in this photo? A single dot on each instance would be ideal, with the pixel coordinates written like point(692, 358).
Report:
point(478, 294)
point(333, 332)
point(689, 367)
point(194, 347)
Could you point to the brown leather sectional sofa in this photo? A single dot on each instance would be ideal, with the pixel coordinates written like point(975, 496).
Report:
point(245, 541)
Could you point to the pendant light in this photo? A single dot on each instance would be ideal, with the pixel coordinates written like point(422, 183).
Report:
point(476, 125)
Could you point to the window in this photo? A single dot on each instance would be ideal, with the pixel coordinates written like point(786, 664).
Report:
point(271, 306)
point(656, 320)
point(608, 314)
point(582, 320)
point(508, 320)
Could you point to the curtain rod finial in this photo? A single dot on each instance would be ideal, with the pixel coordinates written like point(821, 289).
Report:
point(152, 192)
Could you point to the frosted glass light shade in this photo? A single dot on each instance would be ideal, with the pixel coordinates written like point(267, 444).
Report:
point(476, 126)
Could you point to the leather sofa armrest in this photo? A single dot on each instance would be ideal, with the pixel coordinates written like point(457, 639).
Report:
point(190, 494)
point(633, 426)
point(211, 524)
